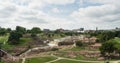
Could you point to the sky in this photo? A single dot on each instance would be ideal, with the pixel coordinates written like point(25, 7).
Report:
point(54, 14)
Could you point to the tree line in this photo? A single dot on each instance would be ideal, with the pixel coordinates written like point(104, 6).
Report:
point(15, 35)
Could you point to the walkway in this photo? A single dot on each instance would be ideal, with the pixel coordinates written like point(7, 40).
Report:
point(23, 60)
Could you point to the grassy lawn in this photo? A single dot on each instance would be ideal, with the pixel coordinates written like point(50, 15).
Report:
point(1, 62)
point(53, 36)
point(66, 54)
point(12, 62)
point(39, 59)
point(3, 39)
point(24, 41)
point(7, 46)
point(77, 49)
point(68, 61)
point(17, 62)
point(117, 40)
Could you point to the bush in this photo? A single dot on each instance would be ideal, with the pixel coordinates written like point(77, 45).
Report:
point(54, 49)
point(65, 43)
point(33, 35)
point(79, 43)
point(14, 38)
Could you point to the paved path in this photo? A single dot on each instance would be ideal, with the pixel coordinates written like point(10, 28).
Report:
point(54, 60)
point(76, 59)
point(59, 58)
point(115, 61)
point(23, 60)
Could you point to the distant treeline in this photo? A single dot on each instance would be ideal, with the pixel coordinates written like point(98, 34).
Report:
point(106, 35)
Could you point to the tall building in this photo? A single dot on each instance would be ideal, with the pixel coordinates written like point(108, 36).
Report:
point(81, 29)
point(96, 28)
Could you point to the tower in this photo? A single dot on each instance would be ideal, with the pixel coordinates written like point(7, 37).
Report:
point(96, 28)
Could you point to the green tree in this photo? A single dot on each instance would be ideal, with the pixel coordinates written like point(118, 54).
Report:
point(36, 30)
point(3, 31)
point(79, 43)
point(105, 36)
point(117, 34)
point(33, 35)
point(14, 38)
point(20, 29)
point(117, 48)
point(9, 30)
point(108, 47)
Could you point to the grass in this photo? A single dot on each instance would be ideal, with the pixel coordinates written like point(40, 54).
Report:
point(77, 49)
point(68, 61)
point(117, 40)
point(13, 62)
point(17, 62)
point(53, 36)
point(1, 62)
point(40, 59)
point(7, 46)
point(24, 41)
point(3, 39)
point(65, 53)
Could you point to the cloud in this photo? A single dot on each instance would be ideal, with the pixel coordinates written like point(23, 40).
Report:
point(55, 10)
point(30, 13)
point(7, 12)
point(101, 16)
point(60, 2)
point(104, 1)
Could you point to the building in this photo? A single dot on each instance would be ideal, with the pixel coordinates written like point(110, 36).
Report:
point(81, 30)
point(46, 30)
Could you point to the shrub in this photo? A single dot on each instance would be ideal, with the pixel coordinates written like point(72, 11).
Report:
point(54, 49)
point(79, 43)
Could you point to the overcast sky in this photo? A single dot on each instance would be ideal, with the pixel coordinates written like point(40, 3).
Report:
point(67, 14)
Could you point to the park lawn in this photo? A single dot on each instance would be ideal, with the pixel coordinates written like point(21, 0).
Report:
point(79, 57)
point(1, 62)
point(68, 61)
point(24, 41)
point(12, 62)
point(6, 46)
point(77, 49)
point(117, 40)
point(3, 39)
point(17, 62)
point(40, 59)
point(54, 36)
point(64, 53)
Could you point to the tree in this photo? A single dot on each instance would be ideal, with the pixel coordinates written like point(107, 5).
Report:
point(105, 36)
point(20, 29)
point(118, 48)
point(117, 34)
point(79, 43)
point(28, 31)
point(33, 35)
point(9, 30)
point(3, 31)
point(14, 38)
point(35, 30)
point(108, 47)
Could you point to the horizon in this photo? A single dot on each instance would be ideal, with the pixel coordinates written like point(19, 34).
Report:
point(63, 28)
point(55, 14)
